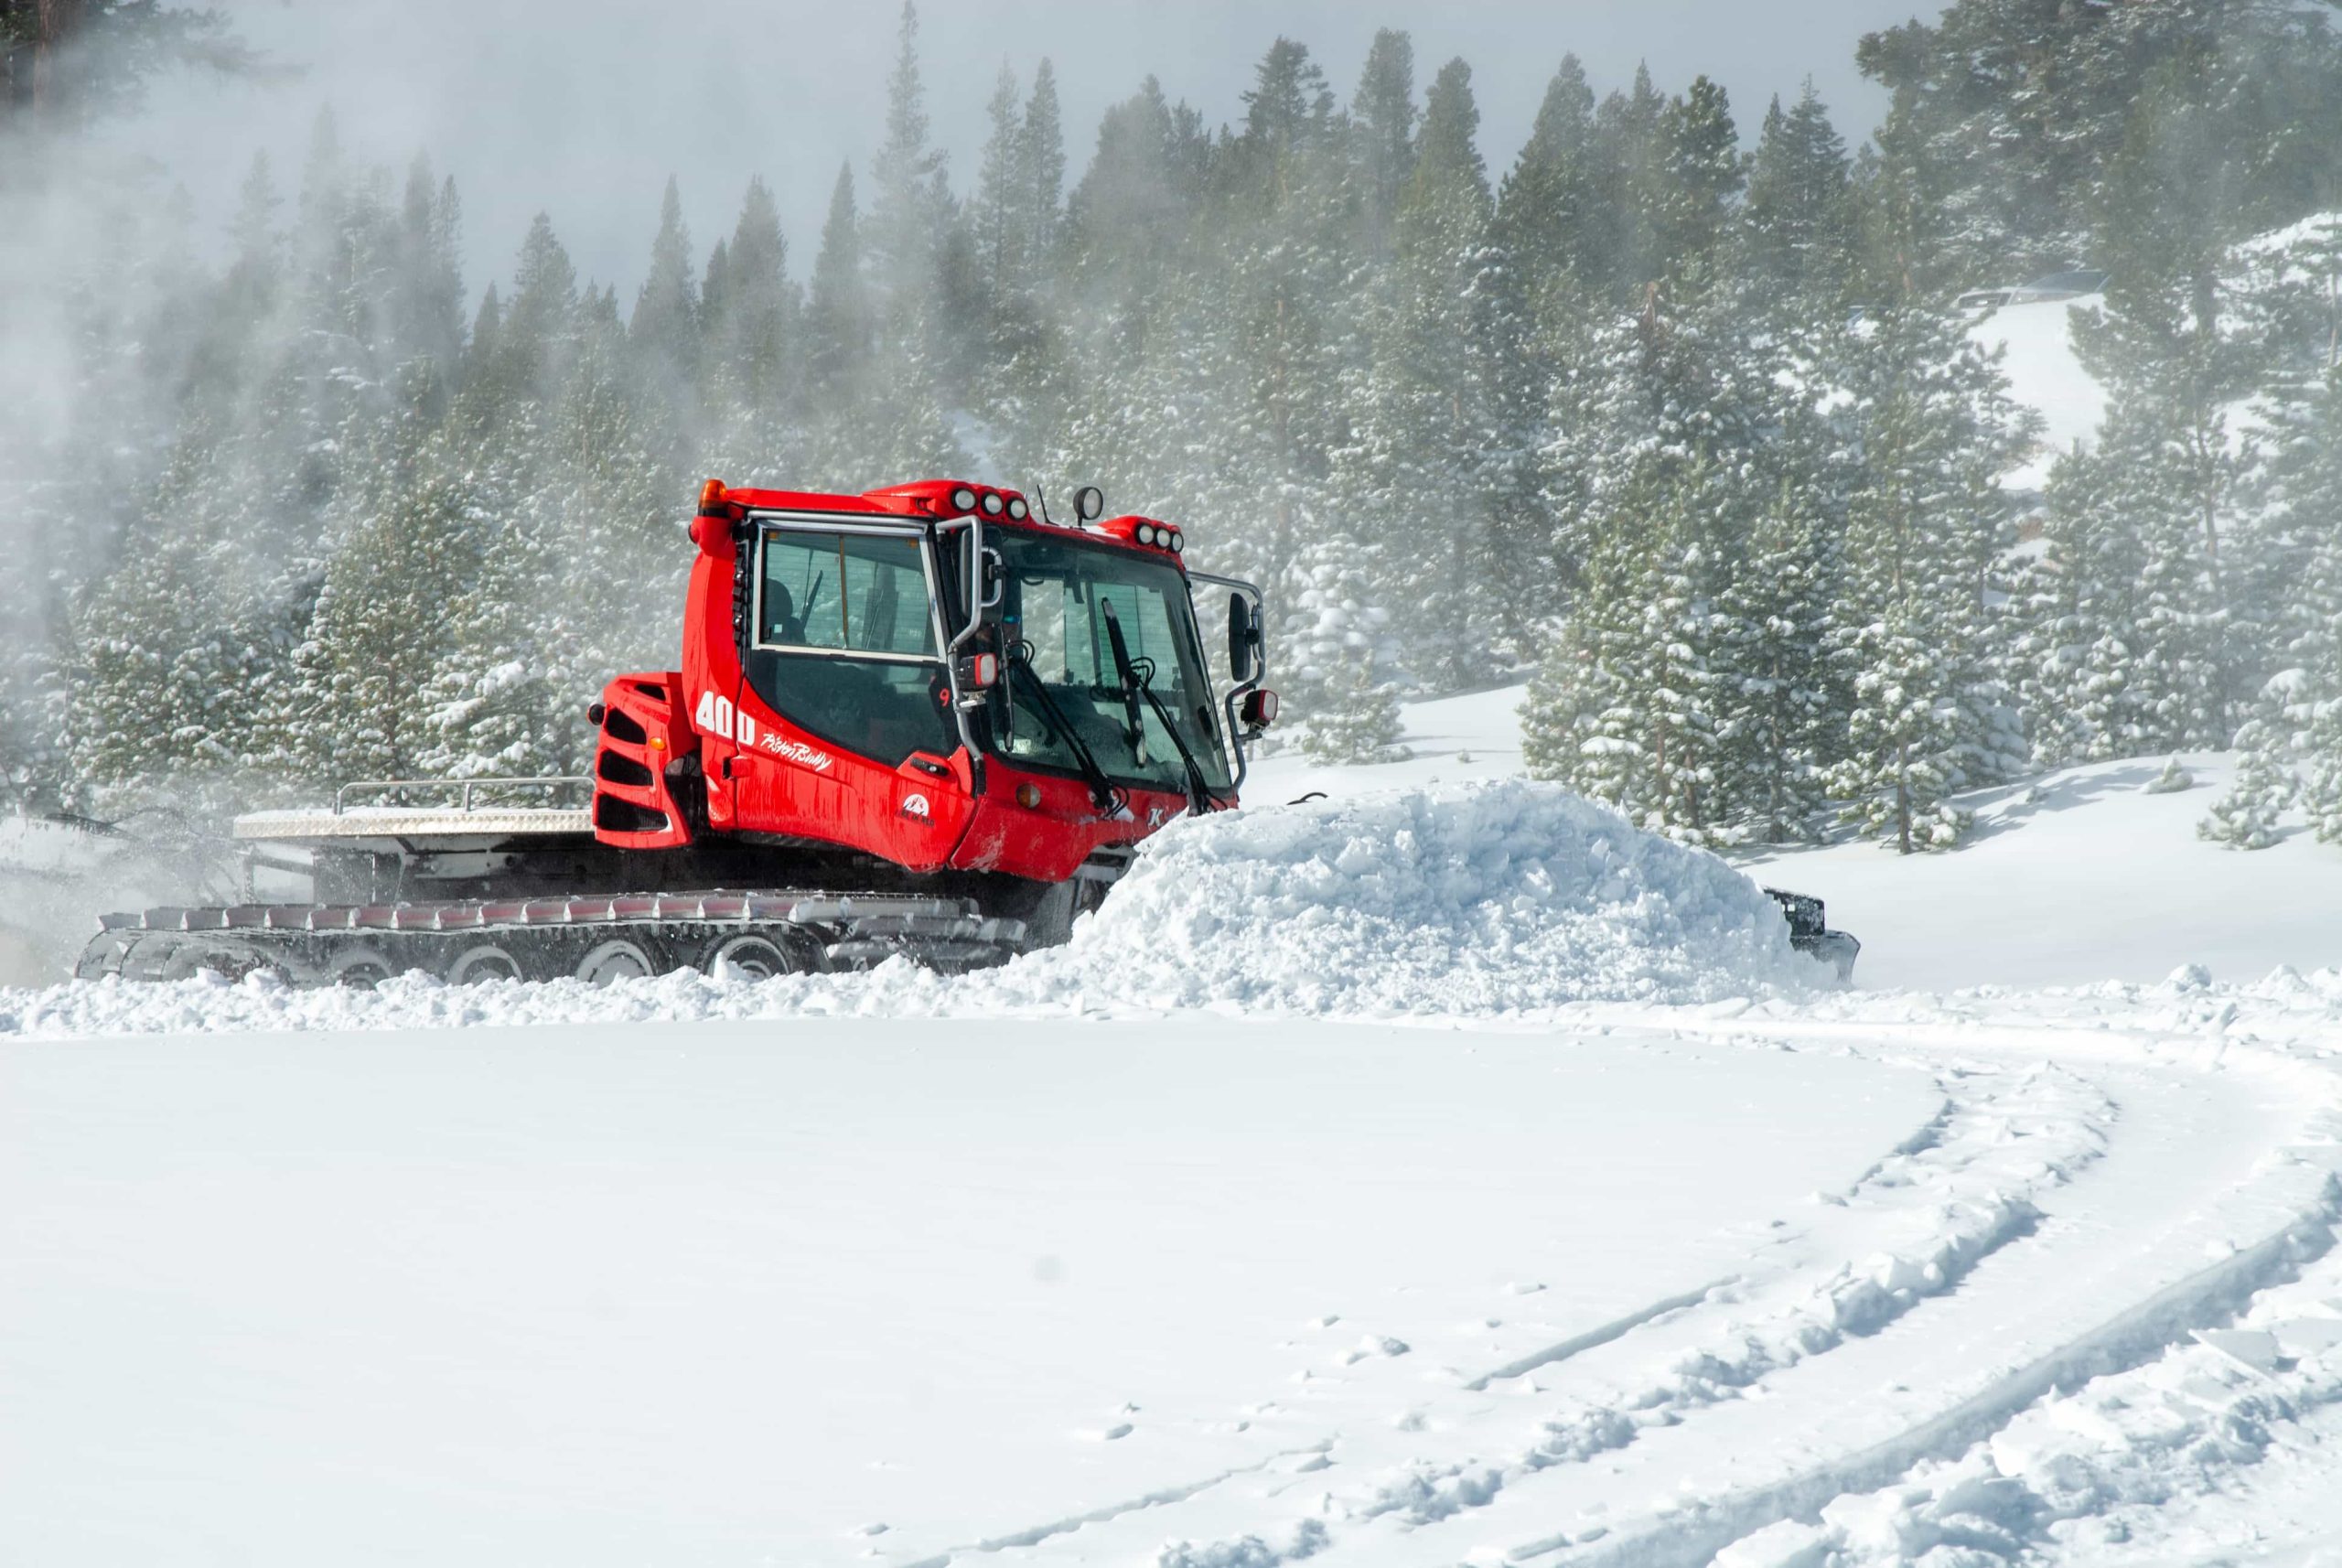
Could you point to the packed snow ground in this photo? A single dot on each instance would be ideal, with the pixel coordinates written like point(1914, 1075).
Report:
point(1632, 1246)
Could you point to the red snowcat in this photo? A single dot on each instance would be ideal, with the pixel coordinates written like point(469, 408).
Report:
point(922, 721)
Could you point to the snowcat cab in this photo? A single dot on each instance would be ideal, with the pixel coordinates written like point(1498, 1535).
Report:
point(932, 675)
point(920, 721)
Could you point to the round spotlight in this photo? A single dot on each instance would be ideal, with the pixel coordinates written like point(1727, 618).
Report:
point(1017, 509)
point(963, 499)
point(1144, 534)
point(992, 503)
point(1178, 541)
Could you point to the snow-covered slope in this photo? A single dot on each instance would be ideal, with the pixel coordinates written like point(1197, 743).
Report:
point(2037, 355)
point(2081, 876)
point(1154, 1251)
point(823, 1290)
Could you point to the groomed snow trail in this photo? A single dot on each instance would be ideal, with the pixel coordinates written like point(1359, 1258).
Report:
point(2084, 1203)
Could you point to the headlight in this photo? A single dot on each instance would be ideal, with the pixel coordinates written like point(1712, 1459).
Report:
point(1145, 533)
point(1017, 509)
point(1178, 541)
point(992, 503)
point(963, 499)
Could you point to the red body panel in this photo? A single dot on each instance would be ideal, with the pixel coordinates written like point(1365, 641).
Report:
point(642, 733)
point(766, 777)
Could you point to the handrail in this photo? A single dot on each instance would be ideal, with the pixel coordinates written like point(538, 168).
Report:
point(463, 787)
point(1260, 670)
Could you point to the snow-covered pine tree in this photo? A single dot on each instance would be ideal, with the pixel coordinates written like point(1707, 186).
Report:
point(1357, 719)
point(1797, 227)
point(666, 324)
point(1927, 429)
point(1551, 220)
point(380, 636)
point(1434, 462)
point(2289, 747)
point(2264, 785)
point(753, 369)
point(1630, 706)
point(1779, 710)
point(1698, 182)
point(1582, 721)
point(1382, 128)
point(2090, 697)
point(1631, 154)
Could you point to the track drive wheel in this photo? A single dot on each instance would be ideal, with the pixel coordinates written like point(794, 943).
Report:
point(230, 960)
point(618, 959)
point(360, 969)
point(487, 960)
point(747, 955)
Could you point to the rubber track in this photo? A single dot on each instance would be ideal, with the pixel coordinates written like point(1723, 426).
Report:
point(848, 930)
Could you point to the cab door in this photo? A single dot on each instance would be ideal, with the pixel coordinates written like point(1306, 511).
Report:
point(843, 725)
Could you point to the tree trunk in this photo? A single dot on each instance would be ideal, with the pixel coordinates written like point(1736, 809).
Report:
point(54, 23)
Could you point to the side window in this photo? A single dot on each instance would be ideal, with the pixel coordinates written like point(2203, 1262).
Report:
point(853, 592)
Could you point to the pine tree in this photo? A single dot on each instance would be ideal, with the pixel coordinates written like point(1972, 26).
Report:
point(1382, 115)
point(754, 382)
point(2288, 746)
point(1041, 161)
point(1335, 660)
point(1698, 179)
point(838, 313)
point(1777, 729)
point(666, 322)
point(1929, 429)
point(1358, 721)
point(1429, 417)
point(382, 630)
point(1552, 217)
point(1799, 221)
point(1628, 706)
point(999, 209)
point(426, 295)
point(1632, 154)
point(910, 202)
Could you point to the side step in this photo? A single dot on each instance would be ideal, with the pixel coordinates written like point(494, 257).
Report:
point(593, 936)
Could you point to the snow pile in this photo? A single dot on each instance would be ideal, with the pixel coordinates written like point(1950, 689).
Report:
point(1454, 900)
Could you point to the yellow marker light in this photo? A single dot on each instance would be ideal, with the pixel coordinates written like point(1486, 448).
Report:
point(1029, 795)
point(657, 744)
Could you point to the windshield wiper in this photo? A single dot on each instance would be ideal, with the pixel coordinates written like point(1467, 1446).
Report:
point(1134, 686)
point(1134, 731)
point(1102, 793)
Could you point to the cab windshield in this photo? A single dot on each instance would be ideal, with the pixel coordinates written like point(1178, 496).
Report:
point(1061, 603)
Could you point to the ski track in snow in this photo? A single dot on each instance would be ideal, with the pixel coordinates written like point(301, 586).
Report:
point(1963, 1283)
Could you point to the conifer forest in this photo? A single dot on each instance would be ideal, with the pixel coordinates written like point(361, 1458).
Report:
point(1670, 412)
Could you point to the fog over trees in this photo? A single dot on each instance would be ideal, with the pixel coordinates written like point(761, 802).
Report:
point(1667, 410)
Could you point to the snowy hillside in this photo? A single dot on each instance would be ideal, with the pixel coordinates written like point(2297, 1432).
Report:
point(2035, 341)
point(1634, 1247)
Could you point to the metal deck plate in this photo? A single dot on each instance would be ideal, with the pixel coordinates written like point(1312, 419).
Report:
point(401, 821)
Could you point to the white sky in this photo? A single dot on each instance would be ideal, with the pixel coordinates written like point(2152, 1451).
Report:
point(583, 107)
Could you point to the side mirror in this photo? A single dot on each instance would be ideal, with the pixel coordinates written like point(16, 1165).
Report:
point(1090, 503)
point(1259, 710)
point(1243, 641)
